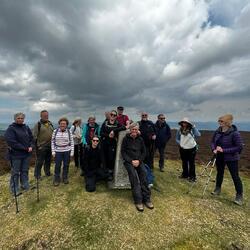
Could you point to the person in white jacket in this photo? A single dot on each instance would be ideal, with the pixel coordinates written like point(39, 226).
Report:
point(62, 146)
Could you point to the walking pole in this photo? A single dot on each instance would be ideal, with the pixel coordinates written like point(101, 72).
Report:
point(205, 169)
point(209, 176)
point(37, 181)
point(14, 185)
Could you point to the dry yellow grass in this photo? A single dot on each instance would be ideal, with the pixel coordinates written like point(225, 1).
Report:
point(67, 217)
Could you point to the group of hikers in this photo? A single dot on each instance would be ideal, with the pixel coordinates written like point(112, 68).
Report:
point(94, 150)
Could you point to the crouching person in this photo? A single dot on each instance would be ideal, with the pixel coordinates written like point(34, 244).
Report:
point(62, 146)
point(133, 152)
point(93, 165)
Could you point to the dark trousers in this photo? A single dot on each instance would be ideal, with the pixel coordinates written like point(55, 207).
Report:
point(138, 180)
point(59, 158)
point(92, 177)
point(149, 159)
point(188, 162)
point(43, 157)
point(78, 155)
point(161, 150)
point(234, 171)
point(109, 150)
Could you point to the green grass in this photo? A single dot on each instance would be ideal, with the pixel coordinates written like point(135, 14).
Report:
point(67, 217)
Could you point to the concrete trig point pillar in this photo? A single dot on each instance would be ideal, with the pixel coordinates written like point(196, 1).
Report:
point(121, 180)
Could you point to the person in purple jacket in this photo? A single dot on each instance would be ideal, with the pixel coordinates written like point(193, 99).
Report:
point(20, 140)
point(227, 144)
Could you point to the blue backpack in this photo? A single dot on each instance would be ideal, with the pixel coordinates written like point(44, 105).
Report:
point(150, 176)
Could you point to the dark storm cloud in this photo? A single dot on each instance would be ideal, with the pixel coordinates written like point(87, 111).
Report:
point(94, 55)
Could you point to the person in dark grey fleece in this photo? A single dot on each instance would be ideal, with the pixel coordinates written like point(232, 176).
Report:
point(133, 152)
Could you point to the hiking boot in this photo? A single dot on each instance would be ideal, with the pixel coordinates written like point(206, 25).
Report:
point(81, 172)
point(238, 199)
point(139, 207)
point(192, 179)
point(66, 181)
point(183, 176)
point(161, 170)
point(56, 183)
point(149, 205)
point(216, 191)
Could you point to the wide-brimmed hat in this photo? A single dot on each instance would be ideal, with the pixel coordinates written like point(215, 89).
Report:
point(185, 119)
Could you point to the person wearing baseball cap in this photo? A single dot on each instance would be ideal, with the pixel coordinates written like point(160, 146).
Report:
point(121, 118)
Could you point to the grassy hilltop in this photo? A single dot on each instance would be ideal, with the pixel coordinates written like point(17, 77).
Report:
point(67, 217)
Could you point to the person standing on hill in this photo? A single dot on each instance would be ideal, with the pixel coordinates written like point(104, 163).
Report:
point(62, 146)
point(109, 135)
point(89, 130)
point(42, 133)
point(121, 118)
point(148, 133)
point(163, 134)
point(185, 138)
point(133, 153)
point(76, 131)
point(19, 140)
point(227, 145)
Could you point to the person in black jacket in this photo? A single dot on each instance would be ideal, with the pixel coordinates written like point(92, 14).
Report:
point(163, 134)
point(20, 140)
point(147, 130)
point(109, 135)
point(133, 152)
point(93, 165)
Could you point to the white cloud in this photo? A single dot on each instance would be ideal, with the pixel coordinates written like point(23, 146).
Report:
point(162, 55)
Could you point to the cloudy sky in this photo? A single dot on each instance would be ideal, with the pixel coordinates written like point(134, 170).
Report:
point(75, 58)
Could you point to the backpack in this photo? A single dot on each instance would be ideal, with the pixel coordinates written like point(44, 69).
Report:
point(68, 135)
point(150, 176)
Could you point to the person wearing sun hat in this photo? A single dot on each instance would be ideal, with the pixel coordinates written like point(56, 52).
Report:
point(185, 138)
point(227, 145)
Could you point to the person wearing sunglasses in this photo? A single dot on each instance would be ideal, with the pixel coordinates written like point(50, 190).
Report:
point(148, 133)
point(163, 134)
point(93, 165)
point(227, 145)
point(109, 135)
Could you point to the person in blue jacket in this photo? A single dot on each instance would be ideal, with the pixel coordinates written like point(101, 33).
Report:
point(185, 138)
point(89, 130)
point(19, 140)
point(163, 134)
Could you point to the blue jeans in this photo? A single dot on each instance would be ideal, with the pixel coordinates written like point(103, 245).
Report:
point(19, 170)
point(59, 158)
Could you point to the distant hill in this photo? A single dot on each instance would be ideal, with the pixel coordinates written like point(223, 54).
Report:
point(172, 151)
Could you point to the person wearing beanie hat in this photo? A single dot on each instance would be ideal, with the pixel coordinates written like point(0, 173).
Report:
point(227, 144)
point(185, 138)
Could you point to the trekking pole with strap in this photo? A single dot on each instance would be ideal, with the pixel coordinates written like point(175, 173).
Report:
point(210, 174)
point(204, 170)
point(14, 185)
